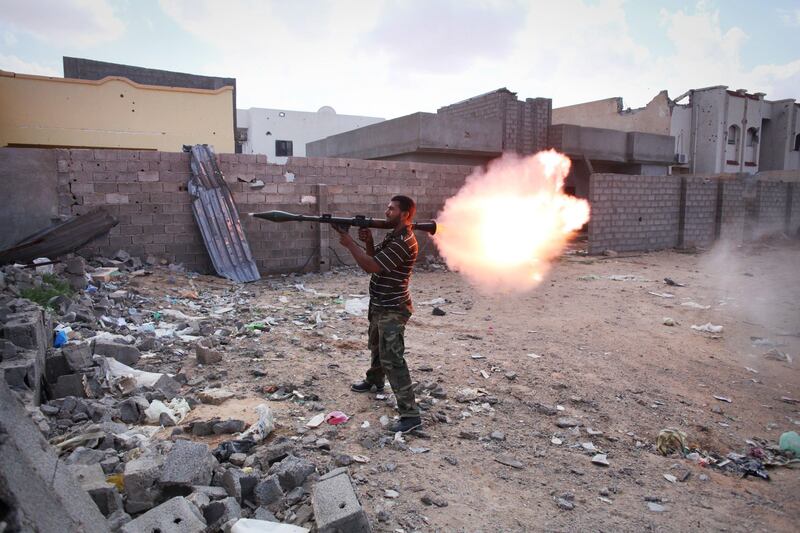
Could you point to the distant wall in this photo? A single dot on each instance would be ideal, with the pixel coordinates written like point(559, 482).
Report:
point(636, 213)
point(28, 182)
point(608, 113)
point(111, 113)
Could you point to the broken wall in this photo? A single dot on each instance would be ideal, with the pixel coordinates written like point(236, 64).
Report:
point(146, 192)
point(639, 213)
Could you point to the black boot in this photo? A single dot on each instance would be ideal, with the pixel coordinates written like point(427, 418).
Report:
point(407, 424)
point(364, 386)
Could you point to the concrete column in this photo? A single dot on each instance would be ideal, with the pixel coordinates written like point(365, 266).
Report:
point(321, 191)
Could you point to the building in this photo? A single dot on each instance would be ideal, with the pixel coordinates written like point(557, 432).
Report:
point(88, 69)
point(281, 133)
point(479, 129)
point(715, 131)
point(113, 112)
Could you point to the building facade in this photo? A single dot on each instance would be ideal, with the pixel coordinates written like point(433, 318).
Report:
point(45, 112)
point(716, 130)
point(281, 133)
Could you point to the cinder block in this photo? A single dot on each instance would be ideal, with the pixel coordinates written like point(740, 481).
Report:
point(174, 516)
point(336, 506)
point(188, 463)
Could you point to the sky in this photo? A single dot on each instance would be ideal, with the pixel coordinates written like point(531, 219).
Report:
point(388, 58)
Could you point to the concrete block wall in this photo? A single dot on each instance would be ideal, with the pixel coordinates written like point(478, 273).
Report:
point(732, 216)
point(794, 216)
point(700, 208)
point(631, 213)
point(146, 191)
point(772, 203)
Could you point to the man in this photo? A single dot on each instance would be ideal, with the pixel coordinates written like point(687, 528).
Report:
point(390, 264)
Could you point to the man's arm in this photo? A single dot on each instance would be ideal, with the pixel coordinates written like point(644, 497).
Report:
point(365, 261)
point(365, 236)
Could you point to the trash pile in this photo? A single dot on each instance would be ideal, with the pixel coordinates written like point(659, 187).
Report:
point(104, 373)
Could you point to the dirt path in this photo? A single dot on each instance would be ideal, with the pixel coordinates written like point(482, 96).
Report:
point(600, 352)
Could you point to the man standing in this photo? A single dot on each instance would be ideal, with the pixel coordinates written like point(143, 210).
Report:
point(390, 264)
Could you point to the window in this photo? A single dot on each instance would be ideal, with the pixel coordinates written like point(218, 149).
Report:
point(283, 148)
point(752, 137)
point(797, 142)
point(733, 135)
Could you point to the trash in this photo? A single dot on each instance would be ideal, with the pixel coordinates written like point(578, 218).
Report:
point(777, 355)
point(672, 283)
point(435, 301)
point(656, 507)
point(723, 399)
point(225, 449)
point(205, 353)
point(335, 418)
point(671, 439)
point(126, 378)
point(365, 424)
point(438, 312)
point(590, 277)
point(509, 461)
point(534, 356)
point(556, 441)
point(626, 277)
point(60, 338)
point(262, 428)
point(250, 525)
point(708, 328)
point(790, 441)
point(788, 399)
point(316, 421)
point(176, 409)
point(669, 321)
point(670, 478)
point(695, 305)
point(356, 306)
point(661, 294)
point(600, 459)
point(753, 370)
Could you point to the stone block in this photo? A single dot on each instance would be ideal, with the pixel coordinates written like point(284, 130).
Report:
point(268, 492)
point(188, 463)
point(336, 506)
point(32, 479)
point(124, 353)
point(93, 480)
point(219, 512)
point(174, 516)
point(78, 356)
point(292, 471)
point(213, 493)
point(239, 485)
point(24, 372)
point(26, 329)
point(140, 479)
point(69, 385)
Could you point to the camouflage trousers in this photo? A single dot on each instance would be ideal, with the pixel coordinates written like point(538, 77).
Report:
point(386, 330)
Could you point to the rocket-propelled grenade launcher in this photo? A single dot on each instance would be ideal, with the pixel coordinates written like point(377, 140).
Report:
point(341, 222)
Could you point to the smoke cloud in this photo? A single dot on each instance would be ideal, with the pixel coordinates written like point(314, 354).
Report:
point(506, 224)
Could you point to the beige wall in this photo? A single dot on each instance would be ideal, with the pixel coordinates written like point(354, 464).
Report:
point(608, 113)
point(112, 113)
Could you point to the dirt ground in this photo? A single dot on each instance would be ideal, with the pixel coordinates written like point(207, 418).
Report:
point(604, 356)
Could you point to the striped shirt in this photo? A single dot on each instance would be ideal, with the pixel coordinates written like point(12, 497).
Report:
point(395, 255)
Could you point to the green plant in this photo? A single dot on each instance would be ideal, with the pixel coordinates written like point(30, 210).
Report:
point(51, 286)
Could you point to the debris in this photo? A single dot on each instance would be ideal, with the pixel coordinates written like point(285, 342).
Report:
point(672, 283)
point(206, 355)
point(790, 441)
point(568, 422)
point(661, 294)
point(429, 500)
point(787, 399)
point(316, 421)
point(217, 218)
point(509, 461)
point(264, 425)
point(356, 306)
point(175, 515)
point(336, 506)
point(671, 439)
point(335, 418)
point(435, 301)
point(188, 463)
point(777, 355)
point(214, 396)
point(250, 525)
point(723, 399)
point(656, 507)
point(695, 305)
point(176, 410)
point(391, 494)
point(600, 459)
point(669, 321)
point(438, 312)
point(670, 478)
point(61, 238)
point(556, 441)
point(708, 328)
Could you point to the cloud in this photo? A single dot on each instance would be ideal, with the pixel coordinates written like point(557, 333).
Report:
point(14, 64)
point(81, 23)
point(790, 17)
point(391, 57)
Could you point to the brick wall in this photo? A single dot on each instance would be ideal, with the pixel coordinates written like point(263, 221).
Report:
point(525, 123)
point(146, 191)
point(633, 212)
point(700, 208)
point(636, 213)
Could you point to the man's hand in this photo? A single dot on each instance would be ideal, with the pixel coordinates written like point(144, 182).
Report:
point(344, 236)
point(365, 235)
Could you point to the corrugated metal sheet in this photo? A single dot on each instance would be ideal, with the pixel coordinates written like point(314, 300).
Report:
point(60, 239)
point(218, 219)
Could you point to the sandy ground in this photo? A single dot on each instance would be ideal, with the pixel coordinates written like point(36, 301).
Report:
point(605, 356)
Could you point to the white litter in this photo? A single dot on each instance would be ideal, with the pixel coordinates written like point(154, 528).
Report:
point(316, 421)
point(708, 328)
point(435, 301)
point(179, 315)
point(116, 373)
point(661, 294)
point(534, 356)
point(176, 409)
point(250, 525)
point(357, 306)
point(264, 426)
point(695, 305)
point(46, 269)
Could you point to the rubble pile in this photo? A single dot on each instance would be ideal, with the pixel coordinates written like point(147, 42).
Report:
point(109, 376)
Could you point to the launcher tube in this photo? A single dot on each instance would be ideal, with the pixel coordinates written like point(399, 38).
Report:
point(344, 222)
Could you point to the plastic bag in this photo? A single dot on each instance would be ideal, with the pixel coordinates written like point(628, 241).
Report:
point(335, 418)
point(357, 306)
point(225, 449)
point(176, 409)
point(249, 525)
point(60, 339)
point(790, 441)
point(264, 426)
